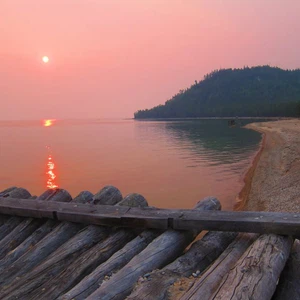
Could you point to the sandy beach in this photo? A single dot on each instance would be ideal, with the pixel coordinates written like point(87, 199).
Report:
point(273, 181)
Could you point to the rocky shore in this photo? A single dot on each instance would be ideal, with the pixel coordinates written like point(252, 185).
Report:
point(273, 181)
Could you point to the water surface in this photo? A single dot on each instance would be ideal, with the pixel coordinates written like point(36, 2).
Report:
point(172, 163)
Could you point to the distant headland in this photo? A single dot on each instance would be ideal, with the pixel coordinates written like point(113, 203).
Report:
point(261, 91)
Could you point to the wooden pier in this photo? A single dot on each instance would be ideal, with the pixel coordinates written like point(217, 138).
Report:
point(104, 246)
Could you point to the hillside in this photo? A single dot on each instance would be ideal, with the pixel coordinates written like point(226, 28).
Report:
point(262, 91)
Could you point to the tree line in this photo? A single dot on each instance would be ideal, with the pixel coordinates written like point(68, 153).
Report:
point(261, 91)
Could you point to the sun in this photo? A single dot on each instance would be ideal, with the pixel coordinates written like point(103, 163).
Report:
point(45, 59)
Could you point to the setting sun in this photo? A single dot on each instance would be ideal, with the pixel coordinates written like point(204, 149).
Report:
point(45, 59)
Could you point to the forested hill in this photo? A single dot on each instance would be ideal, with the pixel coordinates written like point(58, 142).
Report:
point(258, 91)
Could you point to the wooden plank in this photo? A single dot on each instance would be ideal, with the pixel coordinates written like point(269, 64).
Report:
point(233, 221)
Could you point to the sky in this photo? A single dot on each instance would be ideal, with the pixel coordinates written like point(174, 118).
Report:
point(110, 58)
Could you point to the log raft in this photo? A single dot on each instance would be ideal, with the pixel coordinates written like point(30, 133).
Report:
point(104, 246)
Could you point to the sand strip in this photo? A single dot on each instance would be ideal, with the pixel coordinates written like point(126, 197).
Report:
point(273, 181)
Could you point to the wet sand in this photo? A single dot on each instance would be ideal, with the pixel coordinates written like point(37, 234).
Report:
point(273, 181)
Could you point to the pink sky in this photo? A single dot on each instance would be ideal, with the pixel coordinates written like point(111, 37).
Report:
point(109, 58)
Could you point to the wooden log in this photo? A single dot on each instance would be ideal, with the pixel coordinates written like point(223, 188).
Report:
point(71, 262)
point(9, 223)
point(19, 193)
point(32, 240)
point(92, 281)
point(209, 282)
point(200, 255)
point(89, 260)
point(53, 237)
point(4, 192)
point(160, 252)
point(20, 233)
point(256, 274)
point(28, 237)
point(134, 200)
point(109, 195)
point(84, 197)
point(86, 263)
point(60, 195)
point(288, 286)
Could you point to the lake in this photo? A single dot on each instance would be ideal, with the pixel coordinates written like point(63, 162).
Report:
point(173, 164)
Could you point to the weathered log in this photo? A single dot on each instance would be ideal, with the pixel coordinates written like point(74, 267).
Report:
point(8, 224)
point(134, 200)
point(288, 286)
point(86, 263)
point(84, 197)
point(18, 235)
point(209, 282)
point(33, 239)
point(109, 195)
point(4, 218)
point(52, 237)
point(160, 252)
point(71, 262)
point(17, 193)
point(60, 195)
point(4, 192)
point(200, 255)
point(28, 237)
point(256, 274)
point(92, 281)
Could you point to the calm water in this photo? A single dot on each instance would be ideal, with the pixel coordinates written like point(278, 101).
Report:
point(173, 163)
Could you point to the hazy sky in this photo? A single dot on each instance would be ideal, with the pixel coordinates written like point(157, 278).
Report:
point(109, 58)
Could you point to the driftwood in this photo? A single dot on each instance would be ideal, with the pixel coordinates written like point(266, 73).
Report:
point(288, 286)
point(201, 254)
point(256, 274)
point(157, 254)
point(92, 281)
point(209, 282)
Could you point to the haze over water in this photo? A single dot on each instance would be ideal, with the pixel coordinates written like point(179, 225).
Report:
point(172, 164)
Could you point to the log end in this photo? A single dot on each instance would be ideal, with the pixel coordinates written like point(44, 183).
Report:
point(109, 195)
point(134, 200)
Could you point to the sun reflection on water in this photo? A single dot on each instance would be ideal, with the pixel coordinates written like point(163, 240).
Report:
point(51, 176)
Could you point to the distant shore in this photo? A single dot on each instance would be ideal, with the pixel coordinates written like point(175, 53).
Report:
point(212, 118)
point(273, 181)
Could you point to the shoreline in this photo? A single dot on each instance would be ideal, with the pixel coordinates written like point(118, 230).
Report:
point(243, 195)
point(272, 181)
